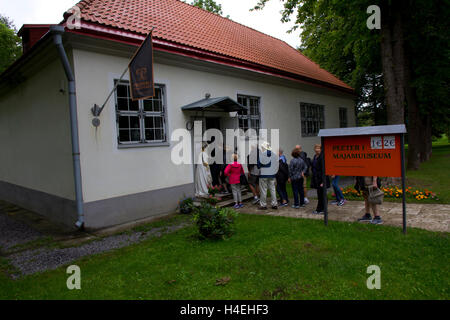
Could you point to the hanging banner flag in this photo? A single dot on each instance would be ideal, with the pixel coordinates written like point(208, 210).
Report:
point(141, 71)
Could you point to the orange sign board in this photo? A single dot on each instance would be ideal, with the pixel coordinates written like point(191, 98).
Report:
point(363, 155)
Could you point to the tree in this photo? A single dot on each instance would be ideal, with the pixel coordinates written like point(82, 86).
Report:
point(420, 46)
point(402, 68)
point(393, 59)
point(10, 44)
point(344, 46)
point(209, 5)
point(428, 57)
point(7, 22)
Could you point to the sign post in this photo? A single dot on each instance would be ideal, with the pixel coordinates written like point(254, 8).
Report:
point(403, 181)
point(364, 151)
point(324, 180)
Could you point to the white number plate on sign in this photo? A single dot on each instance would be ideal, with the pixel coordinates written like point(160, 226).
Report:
point(376, 143)
point(389, 142)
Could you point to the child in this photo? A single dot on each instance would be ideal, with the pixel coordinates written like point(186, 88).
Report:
point(234, 172)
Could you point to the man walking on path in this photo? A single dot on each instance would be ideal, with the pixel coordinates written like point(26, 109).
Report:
point(268, 163)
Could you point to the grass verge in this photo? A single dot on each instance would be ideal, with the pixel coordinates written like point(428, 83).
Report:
point(268, 258)
point(434, 174)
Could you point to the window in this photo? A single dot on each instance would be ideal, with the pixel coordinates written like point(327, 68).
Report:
point(312, 118)
point(343, 117)
point(140, 122)
point(252, 117)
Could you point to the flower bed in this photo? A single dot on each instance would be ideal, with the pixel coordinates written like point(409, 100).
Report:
point(393, 192)
point(212, 190)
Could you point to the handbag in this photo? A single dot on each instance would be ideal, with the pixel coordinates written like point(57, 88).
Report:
point(243, 180)
point(375, 195)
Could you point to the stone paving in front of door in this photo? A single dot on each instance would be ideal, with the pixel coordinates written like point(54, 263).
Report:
point(433, 217)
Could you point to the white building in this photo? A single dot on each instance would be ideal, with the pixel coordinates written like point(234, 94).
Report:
point(125, 167)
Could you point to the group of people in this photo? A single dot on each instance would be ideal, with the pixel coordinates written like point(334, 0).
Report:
point(261, 179)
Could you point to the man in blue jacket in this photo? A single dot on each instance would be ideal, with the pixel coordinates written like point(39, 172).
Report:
point(268, 163)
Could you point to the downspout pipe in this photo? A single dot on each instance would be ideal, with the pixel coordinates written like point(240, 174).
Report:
point(57, 31)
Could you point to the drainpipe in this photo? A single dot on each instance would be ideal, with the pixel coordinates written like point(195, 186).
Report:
point(57, 32)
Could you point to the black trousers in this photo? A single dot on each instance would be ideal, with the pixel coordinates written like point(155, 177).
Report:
point(281, 189)
point(320, 203)
point(297, 189)
point(215, 172)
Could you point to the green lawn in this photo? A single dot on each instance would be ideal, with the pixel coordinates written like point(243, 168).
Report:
point(434, 174)
point(268, 258)
point(444, 140)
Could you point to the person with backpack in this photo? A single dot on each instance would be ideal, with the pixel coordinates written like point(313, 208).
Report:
point(297, 169)
point(307, 161)
point(282, 177)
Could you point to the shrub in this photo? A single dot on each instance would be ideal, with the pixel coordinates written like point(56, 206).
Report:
point(211, 200)
point(213, 222)
point(186, 205)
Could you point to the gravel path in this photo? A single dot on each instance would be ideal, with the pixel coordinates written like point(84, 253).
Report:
point(33, 257)
point(42, 259)
point(13, 233)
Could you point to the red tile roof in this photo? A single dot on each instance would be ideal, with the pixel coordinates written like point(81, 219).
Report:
point(181, 23)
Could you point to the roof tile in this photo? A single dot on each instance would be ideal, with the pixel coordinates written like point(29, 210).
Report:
point(179, 22)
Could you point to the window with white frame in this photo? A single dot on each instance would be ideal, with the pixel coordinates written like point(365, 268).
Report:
point(140, 122)
point(252, 117)
point(312, 118)
point(343, 117)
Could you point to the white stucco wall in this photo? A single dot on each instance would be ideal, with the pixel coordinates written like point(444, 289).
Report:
point(109, 172)
point(35, 134)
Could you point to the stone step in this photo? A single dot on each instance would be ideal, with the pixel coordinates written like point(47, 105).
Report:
point(228, 199)
point(230, 202)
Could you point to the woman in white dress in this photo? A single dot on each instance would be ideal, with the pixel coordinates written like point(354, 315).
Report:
point(203, 177)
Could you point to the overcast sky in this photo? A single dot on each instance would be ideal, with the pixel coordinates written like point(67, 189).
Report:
point(51, 11)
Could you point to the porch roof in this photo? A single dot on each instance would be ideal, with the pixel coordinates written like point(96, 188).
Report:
point(223, 104)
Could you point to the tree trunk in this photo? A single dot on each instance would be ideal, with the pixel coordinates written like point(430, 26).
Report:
point(419, 124)
point(388, 71)
point(393, 63)
point(415, 124)
point(398, 78)
point(426, 146)
point(400, 64)
point(414, 134)
point(391, 51)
